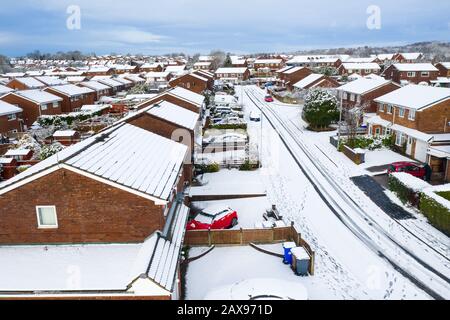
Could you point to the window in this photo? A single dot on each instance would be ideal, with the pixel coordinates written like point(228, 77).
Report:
point(377, 131)
point(411, 74)
point(389, 109)
point(43, 107)
point(352, 97)
point(381, 108)
point(46, 216)
point(399, 139)
point(425, 74)
point(388, 131)
point(412, 114)
point(401, 112)
point(55, 104)
point(12, 117)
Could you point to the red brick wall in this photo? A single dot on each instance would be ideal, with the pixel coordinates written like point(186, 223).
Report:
point(30, 109)
point(369, 97)
point(189, 82)
point(69, 106)
point(392, 73)
point(430, 120)
point(9, 125)
point(88, 211)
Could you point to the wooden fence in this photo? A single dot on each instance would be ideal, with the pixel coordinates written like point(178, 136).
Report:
point(248, 236)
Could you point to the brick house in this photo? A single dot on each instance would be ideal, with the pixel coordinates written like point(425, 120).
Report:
point(405, 73)
point(179, 96)
point(98, 71)
point(414, 114)
point(126, 206)
point(202, 65)
point(362, 69)
point(232, 74)
point(411, 57)
point(26, 83)
point(444, 69)
point(151, 67)
point(10, 119)
point(314, 61)
point(100, 89)
point(272, 65)
point(73, 97)
point(315, 80)
point(288, 76)
point(363, 92)
point(66, 137)
point(193, 82)
point(63, 199)
point(34, 103)
point(172, 122)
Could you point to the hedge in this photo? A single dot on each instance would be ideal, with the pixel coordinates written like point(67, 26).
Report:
point(437, 213)
point(404, 193)
point(229, 126)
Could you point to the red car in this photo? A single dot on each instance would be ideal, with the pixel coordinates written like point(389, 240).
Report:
point(408, 167)
point(268, 99)
point(214, 218)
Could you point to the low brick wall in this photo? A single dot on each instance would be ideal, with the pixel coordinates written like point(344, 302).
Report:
point(357, 158)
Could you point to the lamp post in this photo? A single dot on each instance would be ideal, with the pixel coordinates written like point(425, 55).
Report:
point(340, 119)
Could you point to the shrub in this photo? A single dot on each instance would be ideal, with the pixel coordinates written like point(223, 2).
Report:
point(320, 108)
point(437, 213)
point(209, 168)
point(229, 126)
point(247, 166)
point(402, 191)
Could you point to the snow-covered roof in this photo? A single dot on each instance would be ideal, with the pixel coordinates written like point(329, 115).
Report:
point(111, 82)
point(308, 80)
point(38, 96)
point(132, 77)
point(412, 133)
point(360, 60)
point(72, 90)
point(124, 156)
point(95, 85)
point(195, 75)
point(188, 95)
point(231, 70)
point(385, 56)
point(268, 61)
point(284, 69)
point(5, 161)
point(374, 77)
point(415, 67)
point(64, 133)
point(46, 267)
point(5, 89)
point(363, 85)
point(292, 70)
point(17, 152)
point(411, 55)
point(123, 80)
point(175, 114)
point(155, 74)
point(7, 108)
point(51, 81)
point(30, 82)
point(361, 66)
point(377, 120)
point(415, 96)
point(202, 63)
point(445, 64)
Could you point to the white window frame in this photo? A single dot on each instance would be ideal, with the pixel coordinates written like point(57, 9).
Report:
point(425, 74)
point(398, 138)
point(411, 74)
point(55, 104)
point(412, 114)
point(43, 107)
point(381, 108)
point(12, 117)
point(401, 112)
point(389, 109)
point(40, 226)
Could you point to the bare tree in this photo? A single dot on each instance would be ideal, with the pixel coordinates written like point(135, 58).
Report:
point(353, 120)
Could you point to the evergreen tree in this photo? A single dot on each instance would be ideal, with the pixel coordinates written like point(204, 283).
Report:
point(320, 108)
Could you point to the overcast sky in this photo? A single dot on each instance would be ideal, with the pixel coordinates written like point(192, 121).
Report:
point(239, 26)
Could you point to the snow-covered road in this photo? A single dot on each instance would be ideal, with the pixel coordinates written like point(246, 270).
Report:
point(362, 252)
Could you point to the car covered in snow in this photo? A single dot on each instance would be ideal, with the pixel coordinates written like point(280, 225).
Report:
point(215, 218)
point(255, 116)
point(268, 98)
point(412, 168)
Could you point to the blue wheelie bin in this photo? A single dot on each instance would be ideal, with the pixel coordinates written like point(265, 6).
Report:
point(287, 255)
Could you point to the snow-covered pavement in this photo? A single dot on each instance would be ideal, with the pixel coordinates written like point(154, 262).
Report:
point(362, 253)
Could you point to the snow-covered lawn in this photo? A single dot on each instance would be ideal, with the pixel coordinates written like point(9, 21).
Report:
point(250, 210)
point(237, 272)
point(382, 157)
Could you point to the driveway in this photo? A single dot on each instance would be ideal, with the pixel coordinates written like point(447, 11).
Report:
point(374, 188)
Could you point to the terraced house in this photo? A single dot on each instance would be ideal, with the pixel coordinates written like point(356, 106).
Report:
point(73, 97)
point(405, 73)
point(416, 116)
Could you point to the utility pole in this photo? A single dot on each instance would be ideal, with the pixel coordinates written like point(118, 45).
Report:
point(341, 93)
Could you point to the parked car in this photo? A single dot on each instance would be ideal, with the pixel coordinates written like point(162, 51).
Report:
point(214, 218)
point(268, 99)
point(412, 168)
point(255, 116)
